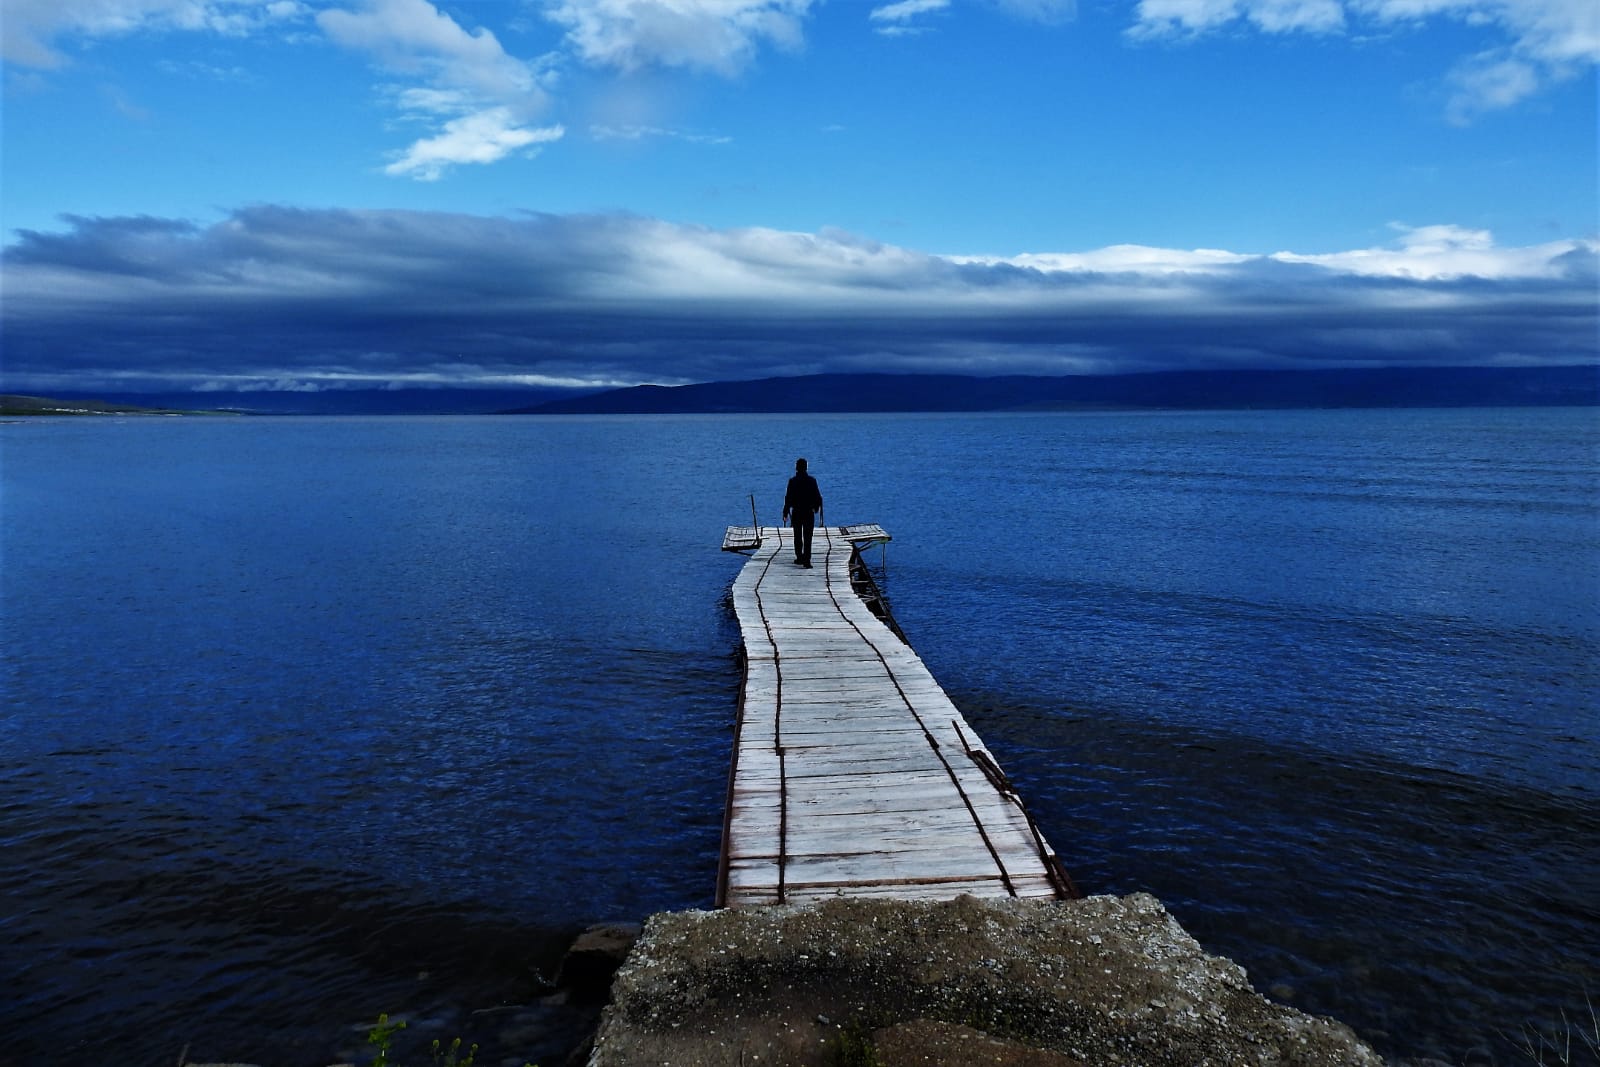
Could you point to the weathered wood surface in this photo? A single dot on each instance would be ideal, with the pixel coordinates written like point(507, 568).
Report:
point(853, 773)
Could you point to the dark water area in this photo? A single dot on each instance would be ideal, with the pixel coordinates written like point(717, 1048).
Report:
point(311, 719)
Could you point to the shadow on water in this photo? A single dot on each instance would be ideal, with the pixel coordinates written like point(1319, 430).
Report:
point(430, 860)
point(239, 961)
point(1418, 905)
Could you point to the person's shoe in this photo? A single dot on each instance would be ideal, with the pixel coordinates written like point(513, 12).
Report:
point(806, 564)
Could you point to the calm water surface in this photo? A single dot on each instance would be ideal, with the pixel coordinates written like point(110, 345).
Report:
point(311, 719)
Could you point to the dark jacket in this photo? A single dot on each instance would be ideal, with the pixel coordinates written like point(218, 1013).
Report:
point(803, 496)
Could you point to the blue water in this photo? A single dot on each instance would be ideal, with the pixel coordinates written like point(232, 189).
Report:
point(308, 719)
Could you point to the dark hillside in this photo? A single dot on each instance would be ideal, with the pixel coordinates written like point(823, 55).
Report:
point(1192, 390)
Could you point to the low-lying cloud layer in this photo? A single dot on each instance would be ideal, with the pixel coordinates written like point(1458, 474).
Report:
point(328, 298)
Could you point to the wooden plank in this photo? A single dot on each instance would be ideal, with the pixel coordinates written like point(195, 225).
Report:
point(946, 889)
point(741, 539)
point(832, 763)
point(765, 893)
point(763, 806)
point(878, 867)
point(865, 531)
point(846, 840)
point(905, 820)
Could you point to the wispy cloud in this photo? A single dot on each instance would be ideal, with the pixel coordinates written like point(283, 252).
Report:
point(483, 99)
point(1170, 17)
point(125, 105)
point(278, 294)
point(1545, 41)
point(721, 36)
point(415, 37)
point(603, 132)
point(208, 72)
point(479, 135)
point(1047, 12)
point(33, 27)
point(896, 20)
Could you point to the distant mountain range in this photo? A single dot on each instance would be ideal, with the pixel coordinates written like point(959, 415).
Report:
point(298, 402)
point(1191, 390)
point(1384, 387)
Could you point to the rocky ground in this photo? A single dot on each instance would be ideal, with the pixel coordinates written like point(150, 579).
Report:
point(1095, 982)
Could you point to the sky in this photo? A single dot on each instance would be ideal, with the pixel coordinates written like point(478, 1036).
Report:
point(298, 195)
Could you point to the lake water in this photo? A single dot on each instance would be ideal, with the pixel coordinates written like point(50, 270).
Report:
point(309, 719)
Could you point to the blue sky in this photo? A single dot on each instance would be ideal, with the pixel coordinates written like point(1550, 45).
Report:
point(612, 191)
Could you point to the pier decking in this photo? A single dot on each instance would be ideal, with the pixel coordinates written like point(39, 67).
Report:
point(853, 774)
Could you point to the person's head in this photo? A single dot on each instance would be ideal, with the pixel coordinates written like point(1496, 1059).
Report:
point(799, 466)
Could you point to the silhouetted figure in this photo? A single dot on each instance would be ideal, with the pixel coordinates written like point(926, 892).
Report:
point(801, 504)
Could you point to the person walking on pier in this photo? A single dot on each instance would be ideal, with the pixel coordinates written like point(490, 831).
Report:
point(800, 505)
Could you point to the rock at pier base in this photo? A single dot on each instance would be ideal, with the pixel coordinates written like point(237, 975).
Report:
point(1102, 980)
point(593, 959)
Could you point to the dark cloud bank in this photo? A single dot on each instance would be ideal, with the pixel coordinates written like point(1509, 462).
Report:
point(281, 299)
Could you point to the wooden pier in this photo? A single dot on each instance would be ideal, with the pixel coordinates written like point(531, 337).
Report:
point(853, 774)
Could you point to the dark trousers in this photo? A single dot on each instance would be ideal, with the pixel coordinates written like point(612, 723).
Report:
point(804, 522)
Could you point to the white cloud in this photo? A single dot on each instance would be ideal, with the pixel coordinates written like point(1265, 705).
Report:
point(1166, 17)
point(894, 20)
point(413, 36)
point(899, 19)
point(125, 105)
point(208, 72)
point(1048, 12)
point(1118, 259)
point(1490, 81)
point(1547, 41)
point(716, 35)
point(1284, 16)
point(1555, 31)
point(1439, 253)
point(1419, 253)
point(434, 101)
point(478, 137)
point(906, 9)
point(32, 27)
point(603, 132)
point(485, 98)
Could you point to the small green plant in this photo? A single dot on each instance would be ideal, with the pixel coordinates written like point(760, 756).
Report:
point(382, 1036)
point(451, 1057)
point(854, 1047)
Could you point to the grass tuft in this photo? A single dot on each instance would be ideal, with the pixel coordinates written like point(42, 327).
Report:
point(1576, 1043)
point(854, 1048)
point(382, 1037)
